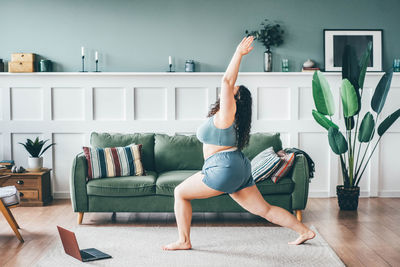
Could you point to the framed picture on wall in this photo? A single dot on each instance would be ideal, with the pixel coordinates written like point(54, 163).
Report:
point(335, 41)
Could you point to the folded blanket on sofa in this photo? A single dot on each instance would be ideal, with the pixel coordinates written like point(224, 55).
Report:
point(311, 164)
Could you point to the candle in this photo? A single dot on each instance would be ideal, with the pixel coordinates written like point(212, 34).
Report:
point(96, 56)
point(83, 51)
point(170, 60)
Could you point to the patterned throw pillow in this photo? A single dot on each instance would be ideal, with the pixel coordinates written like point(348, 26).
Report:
point(114, 161)
point(286, 164)
point(264, 164)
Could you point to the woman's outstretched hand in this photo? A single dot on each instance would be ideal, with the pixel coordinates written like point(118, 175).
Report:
point(245, 45)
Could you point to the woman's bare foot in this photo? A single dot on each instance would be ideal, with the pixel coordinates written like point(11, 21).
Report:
point(303, 238)
point(178, 246)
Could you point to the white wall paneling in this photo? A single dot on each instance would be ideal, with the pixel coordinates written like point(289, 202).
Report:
point(305, 102)
point(26, 103)
point(389, 161)
point(2, 156)
point(316, 145)
point(150, 103)
point(68, 103)
point(273, 103)
point(109, 103)
point(198, 99)
point(64, 151)
point(67, 107)
point(1, 103)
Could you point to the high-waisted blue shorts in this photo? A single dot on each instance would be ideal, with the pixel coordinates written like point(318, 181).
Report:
point(227, 171)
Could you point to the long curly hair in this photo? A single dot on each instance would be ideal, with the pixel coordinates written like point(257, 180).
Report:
point(242, 123)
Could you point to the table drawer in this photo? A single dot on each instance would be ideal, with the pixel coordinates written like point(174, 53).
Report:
point(29, 194)
point(21, 182)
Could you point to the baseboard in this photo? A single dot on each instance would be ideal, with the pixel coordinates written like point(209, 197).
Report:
point(389, 193)
point(318, 194)
point(363, 194)
point(61, 195)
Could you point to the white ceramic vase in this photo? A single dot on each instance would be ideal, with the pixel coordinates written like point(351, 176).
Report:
point(35, 164)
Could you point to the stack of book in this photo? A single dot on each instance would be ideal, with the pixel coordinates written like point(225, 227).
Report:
point(6, 164)
point(305, 69)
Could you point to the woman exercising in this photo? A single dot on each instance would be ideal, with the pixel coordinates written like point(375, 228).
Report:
point(226, 170)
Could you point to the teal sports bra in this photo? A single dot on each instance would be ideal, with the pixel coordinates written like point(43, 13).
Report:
point(207, 133)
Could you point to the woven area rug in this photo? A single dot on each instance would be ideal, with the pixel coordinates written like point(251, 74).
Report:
point(212, 246)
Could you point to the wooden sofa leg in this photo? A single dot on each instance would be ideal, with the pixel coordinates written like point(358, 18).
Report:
point(299, 216)
point(80, 217)
point(11, 221)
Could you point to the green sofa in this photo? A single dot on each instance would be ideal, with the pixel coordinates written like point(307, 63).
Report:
point(168, 160)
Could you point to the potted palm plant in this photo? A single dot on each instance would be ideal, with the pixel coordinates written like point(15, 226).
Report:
point(34, 148)
point(353, 161)
point(269, 35)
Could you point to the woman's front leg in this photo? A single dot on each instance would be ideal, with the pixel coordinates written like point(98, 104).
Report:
point(192, 188)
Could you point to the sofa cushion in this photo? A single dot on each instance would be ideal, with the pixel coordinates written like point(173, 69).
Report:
point(264, 164)
point(284, 167)
point(120, 139)
point(123, 186)
point(178, 152)
point(267, 187)
point(167, 181)
point(261, 141)
point(114, 161)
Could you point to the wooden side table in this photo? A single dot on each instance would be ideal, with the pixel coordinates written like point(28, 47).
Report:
point(34, 187)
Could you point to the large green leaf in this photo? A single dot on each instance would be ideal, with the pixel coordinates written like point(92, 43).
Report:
point(364, 64)
point(366, 128)
point(322, 94)
point(381, 92)
point(349, 99)
point(337, 141)
point(385, 125)
point(323, 121)
point(350, 66)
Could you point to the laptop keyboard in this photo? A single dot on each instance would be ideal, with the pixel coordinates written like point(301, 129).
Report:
point(86, 255)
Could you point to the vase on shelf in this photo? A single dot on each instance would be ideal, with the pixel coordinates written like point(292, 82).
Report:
point(267, 61)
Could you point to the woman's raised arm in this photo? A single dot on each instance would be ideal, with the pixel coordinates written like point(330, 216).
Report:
point(227, 100)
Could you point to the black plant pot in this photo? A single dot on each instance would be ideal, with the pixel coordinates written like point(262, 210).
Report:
point(347, 197)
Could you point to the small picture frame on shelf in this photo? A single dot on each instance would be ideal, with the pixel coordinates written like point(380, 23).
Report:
point(335, 41)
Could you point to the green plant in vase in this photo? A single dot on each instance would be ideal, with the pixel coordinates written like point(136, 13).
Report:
point(35, 149)
point(353, 162)
point(269, 35)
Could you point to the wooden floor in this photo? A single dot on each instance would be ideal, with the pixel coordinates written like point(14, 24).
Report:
point(369, 237)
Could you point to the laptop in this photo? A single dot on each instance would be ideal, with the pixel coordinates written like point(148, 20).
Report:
point(71, 247)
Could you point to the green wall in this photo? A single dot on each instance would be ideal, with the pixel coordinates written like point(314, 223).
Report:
point(133, 35)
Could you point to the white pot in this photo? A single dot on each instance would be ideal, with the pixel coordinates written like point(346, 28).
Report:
point(35, 164)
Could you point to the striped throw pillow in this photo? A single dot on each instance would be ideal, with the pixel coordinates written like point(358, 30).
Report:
point(114, 161)
point(285, 165)
point(264, 164)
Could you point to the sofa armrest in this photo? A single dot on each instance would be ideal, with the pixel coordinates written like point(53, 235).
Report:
point(79, 197)
point(300, 177)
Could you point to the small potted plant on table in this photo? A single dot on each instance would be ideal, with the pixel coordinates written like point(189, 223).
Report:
point(34, 148)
